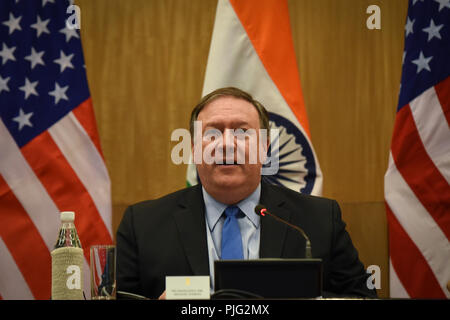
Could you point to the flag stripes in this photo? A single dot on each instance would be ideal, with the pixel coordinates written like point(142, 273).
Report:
point(86, 117)
point(86, 161)
point(12, 283)
point(402, 252)
point(424, 234)
point(51, 165)
point(434, 133)
point(28, 189)
point(443, 93)
point(44, 158)
point(394, 282)
point(410, 157)
point(17, 232)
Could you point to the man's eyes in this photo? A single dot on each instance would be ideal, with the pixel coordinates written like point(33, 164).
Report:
point(212, 132)
point(215, 130)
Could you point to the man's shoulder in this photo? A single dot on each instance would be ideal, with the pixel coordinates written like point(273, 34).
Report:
point(294, 196)
point(299, 204)
point(178, 197)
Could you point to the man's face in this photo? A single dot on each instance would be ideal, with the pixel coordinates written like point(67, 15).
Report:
point(229, 182)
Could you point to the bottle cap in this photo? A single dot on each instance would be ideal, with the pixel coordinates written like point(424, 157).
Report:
point(68, 216)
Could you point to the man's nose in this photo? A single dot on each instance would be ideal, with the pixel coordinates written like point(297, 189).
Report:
point(228, 140)
point(228, 137)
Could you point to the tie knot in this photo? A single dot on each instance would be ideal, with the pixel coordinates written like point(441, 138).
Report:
point(231, 211)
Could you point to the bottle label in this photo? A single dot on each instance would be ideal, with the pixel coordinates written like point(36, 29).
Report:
point(67, 273)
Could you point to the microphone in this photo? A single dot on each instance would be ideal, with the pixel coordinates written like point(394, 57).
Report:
point(262, 211)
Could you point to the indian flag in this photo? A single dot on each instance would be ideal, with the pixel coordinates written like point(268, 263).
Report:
point(252, 49)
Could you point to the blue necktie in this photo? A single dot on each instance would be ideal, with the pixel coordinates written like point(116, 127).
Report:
point(231, 235)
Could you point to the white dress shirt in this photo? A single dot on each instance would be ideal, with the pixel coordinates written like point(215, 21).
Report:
point(249, 226)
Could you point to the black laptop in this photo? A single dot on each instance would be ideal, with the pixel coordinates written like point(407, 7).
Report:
point(269, 278)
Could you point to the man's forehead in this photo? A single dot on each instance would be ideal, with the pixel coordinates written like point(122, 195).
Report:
point(229, 106)
point(229, 122)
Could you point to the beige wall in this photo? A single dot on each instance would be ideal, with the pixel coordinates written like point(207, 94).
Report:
point(146, 60)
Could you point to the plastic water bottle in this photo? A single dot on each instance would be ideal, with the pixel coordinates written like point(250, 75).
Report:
point(68, 236)
point(67, 261)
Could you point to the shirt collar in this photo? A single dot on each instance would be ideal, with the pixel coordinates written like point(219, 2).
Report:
point(214, 208)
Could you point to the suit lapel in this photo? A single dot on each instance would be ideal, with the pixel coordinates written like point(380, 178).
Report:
point(273, 233)
point(191, 225)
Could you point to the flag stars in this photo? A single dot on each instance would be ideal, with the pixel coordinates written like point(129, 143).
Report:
point(433, 30)
point(7, 54)
point(422, 62)
point(13, 23)
point(23, 119)
point(64, 61)
point(44, 2)
point(59, 93)
point(4, 84)
point(443, 4)
point(409, 26)
point(41, 26)
point(69, 33)
point(35, 58)
point(29, 88)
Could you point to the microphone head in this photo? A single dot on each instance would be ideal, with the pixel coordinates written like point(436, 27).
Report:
point(259, 210)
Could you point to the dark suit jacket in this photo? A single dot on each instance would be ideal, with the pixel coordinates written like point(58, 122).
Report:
point(167, 237)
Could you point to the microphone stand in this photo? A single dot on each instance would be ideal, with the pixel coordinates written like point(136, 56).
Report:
point(308, 253)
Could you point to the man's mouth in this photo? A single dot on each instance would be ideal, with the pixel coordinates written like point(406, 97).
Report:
point(228, 163)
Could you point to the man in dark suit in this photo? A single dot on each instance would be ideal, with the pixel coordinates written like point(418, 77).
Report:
point(184, 232)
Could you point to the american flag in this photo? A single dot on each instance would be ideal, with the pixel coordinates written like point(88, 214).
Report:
point(50, 156)
point(417, 190)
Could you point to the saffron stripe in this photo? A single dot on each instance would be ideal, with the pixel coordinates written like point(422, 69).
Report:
point(411, 268)
point(231, 46)
point(66, 190)
point(267, 25)
point(419, 171)
point(25, 247)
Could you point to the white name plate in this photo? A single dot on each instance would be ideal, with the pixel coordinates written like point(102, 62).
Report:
point(187, 288)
